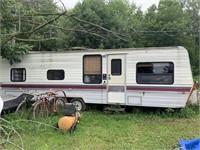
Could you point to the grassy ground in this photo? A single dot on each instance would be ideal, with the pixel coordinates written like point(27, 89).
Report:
point(142, 129)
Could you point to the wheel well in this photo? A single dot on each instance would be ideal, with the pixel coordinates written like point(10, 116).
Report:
point(70, 98)
point(78, 102)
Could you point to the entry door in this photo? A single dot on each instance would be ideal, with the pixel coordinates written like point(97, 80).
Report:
point(116, 78)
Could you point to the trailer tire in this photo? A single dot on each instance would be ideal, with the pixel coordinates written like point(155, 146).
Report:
point(79, 104)
point(129, 109)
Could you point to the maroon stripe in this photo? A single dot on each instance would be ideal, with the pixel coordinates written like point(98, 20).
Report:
point(146, 88)
point(52, 86)
point(131, 88)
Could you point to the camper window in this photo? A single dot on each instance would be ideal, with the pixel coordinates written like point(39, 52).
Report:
point(55, 74)
point(155, 73)
point(116, 67)
point(18, 74)
point(92, 69)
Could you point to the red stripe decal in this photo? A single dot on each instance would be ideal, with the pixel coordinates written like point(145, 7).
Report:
point(95, 87)
point(53, 86)
point(146, 88)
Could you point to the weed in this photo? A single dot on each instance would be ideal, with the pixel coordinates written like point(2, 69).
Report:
point(144, 128)
point(170, 111)
point(189, 111)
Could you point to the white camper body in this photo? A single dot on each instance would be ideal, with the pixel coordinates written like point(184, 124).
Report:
point(152, 77)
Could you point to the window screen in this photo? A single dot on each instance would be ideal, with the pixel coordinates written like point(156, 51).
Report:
point(92, 72)
point(18, 74)
point(155, 73)
point(55, 74)
point(116, 67)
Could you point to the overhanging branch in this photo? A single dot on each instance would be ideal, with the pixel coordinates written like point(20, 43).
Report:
point(96, 25)
point(34, 30)
point(34, 40)
point(70, 30)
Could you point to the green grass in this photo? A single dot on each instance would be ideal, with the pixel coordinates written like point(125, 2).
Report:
point(142, 129)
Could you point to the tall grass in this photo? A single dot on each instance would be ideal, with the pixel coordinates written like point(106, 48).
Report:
point(143, 128)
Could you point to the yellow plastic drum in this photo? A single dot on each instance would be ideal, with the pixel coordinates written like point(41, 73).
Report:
point(66, 122)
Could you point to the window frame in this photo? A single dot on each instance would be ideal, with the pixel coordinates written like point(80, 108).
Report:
point(154, 75)
point(115, 74)
point(51, 70)
point(23, 75)
point(83, 74)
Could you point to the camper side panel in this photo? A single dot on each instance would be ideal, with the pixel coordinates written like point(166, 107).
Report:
point(37, 66)
point(174, 94)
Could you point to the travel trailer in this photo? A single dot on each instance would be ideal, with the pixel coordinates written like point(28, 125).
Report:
point(150, 77)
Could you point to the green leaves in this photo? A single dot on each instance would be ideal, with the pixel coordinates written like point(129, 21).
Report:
point(98, 24)
point(30, 24)
point(13, 52)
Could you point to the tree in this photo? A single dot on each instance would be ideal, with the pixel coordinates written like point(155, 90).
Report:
point(174, 23)
point(23, 22)
point(192, 11)
point(167, 21)
point(41, 25)
point(99, 24)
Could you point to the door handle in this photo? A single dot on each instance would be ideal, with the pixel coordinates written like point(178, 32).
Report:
point(109, 78)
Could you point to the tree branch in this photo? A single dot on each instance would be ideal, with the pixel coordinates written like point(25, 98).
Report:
point(34, 40)
point(43, 25)
point(16, 18)
point(34, 30)
point(71, 30)
point(90, 23)
point(63, 5)
point(84, 31)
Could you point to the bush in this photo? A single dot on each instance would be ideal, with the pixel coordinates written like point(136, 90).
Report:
point(189, 111)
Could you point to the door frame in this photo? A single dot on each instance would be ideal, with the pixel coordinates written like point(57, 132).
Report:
point(116, 90)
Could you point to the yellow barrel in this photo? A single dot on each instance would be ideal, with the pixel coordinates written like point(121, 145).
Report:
point(66, 122)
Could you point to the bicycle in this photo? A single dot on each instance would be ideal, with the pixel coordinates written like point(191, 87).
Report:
point(49, 102)
point(25, 104)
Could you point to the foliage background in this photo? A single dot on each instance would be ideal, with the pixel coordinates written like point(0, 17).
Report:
point(41, 25)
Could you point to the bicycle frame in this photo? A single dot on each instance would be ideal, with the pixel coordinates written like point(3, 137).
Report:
point(48, 99)
point(49, 102)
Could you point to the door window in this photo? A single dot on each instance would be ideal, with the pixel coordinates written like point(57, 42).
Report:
point(116, 67)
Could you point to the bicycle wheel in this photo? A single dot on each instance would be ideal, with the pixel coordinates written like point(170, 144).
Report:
point(39, 110)
point(60, 106)
point(30, 112)
point(21, 110)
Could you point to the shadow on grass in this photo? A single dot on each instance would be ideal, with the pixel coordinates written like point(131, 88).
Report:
point(189, 111)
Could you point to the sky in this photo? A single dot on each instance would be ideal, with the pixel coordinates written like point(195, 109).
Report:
point(144, 4)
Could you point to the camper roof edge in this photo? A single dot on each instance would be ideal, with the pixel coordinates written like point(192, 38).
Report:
point(76, 50)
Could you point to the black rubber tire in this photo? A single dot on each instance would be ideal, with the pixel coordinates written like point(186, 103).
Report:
point(129, 109)
point(79, 104)
point(56, 126)
point(73, 128)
